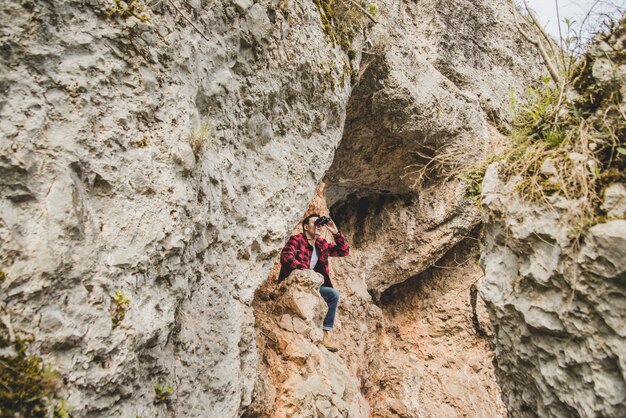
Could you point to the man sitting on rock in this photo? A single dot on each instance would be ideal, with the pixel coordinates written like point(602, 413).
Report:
point(309, 250)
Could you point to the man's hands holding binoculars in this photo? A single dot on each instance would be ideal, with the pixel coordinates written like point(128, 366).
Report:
point(328, 223)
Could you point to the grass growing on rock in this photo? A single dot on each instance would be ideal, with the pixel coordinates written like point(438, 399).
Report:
point(342, 21)
point(570, 141)
point(162, 394)
point(132, 8)
point(199, 137)
point(28, 386)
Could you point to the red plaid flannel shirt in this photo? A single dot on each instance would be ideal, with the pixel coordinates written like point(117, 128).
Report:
point(296, 255)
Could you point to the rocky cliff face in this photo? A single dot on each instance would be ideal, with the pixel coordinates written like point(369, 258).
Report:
point(555, 287)
point(407, 130)
point(168, 161)
point(144, 158)
point(412, 347)
point(421, 351)
point(558, 311)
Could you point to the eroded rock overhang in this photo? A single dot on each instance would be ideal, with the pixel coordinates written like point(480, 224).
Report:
point(432, 104)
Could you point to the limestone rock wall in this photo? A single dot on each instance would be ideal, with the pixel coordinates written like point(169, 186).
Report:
point(407, 133)
point(555, 285)
point(144, 158)
point(558, 311)
point(405, 346)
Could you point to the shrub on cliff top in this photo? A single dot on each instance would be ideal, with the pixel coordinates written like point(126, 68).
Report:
point(570, 141)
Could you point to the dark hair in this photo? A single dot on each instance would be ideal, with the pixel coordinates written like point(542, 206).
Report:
point(306, 220)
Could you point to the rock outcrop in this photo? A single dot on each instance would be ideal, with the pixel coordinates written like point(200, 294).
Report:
point(417, 353)
point(558, 313)
point(554, 281)
point(408, 132)
point(148, 159)
point(302, 378)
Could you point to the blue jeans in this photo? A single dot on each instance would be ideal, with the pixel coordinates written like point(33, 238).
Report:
point(331, 296)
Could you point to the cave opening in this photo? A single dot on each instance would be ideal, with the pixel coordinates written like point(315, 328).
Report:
point(405, 317)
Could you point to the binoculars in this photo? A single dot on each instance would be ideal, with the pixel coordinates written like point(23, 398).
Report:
point(321, 221)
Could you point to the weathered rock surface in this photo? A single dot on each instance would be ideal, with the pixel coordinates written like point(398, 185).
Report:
point(306, 379)
point(147, 159)
point(396, 237)
point(407, 130)
point(429, 360)
point(554, 285)
point(558, 312)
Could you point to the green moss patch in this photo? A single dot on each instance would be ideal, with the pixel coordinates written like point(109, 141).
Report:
point(28, 386)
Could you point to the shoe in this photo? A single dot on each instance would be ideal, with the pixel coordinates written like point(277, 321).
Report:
point(326, 343)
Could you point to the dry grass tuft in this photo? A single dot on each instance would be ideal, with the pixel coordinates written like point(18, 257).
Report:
point(199, 137)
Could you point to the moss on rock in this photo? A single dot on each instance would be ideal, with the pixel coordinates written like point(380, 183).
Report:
point(28, 384)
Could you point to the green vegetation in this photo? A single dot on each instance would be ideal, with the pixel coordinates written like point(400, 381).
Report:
point(568, 139)
point(62, 410)
point(348, 73)
point(121, 304)
point(2, 276)
point(162, 394)
point(342, 20)
point(339, 22)
point(473, 178)
point(134, 8)
point(28, 386)
point(326, 76)
point(330, 77)
point(372, 8)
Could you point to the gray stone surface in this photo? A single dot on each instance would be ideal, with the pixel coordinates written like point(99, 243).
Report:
point(615, 200)
point(436, 98)
point(558, 312)
point(101, 190)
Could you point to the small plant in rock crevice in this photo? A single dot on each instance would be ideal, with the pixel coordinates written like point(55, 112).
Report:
point(162, 394)
point(473, 178)
point(62, 410)
point(372, 8)
point(130, 8)
point(342, 20)
point(340, 23)
point(331, 77)
point(121, 303)
point(199, 137)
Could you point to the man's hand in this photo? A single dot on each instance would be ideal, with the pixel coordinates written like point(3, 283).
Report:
point(332, 227)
